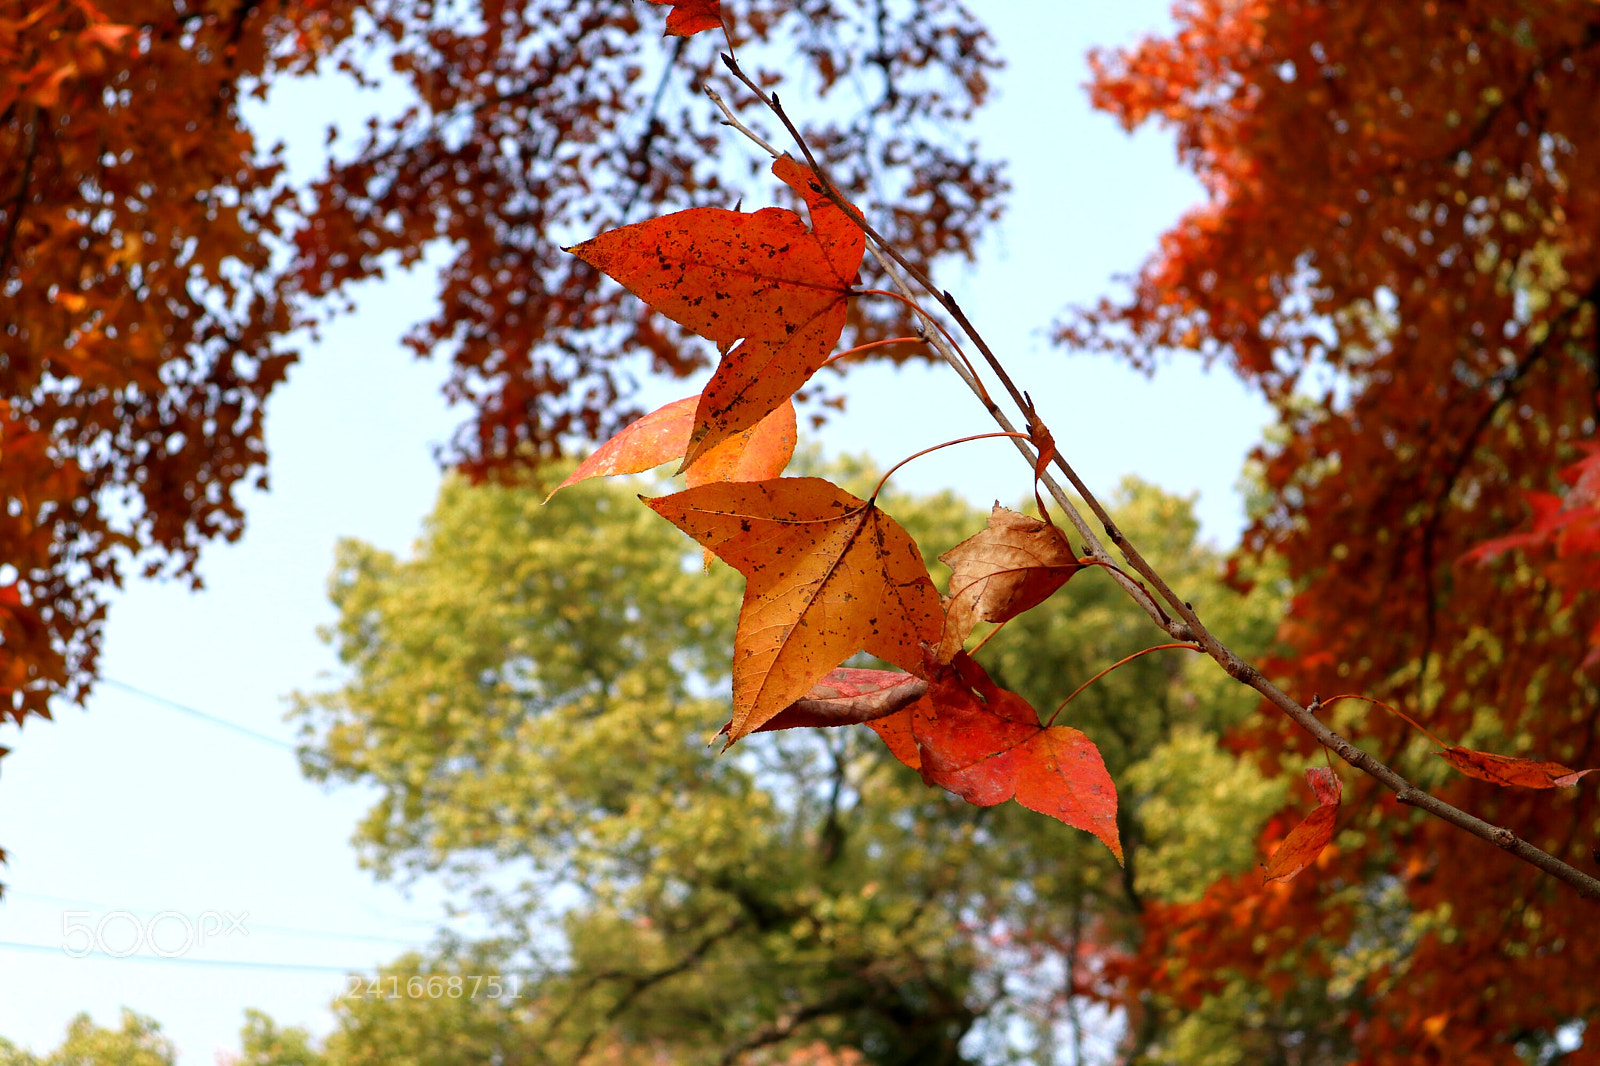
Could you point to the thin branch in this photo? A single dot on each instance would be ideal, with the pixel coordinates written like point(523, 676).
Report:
point(641, 983)
point(1509, 380)
point(14, 209)
point(639, 160)
point(1190, 628)
point(784, 1028)
point(730, 119)
point(881, 248)
point(1518, 96)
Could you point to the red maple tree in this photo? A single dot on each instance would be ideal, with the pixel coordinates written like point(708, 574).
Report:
point(1398, 247)
point(153, 258)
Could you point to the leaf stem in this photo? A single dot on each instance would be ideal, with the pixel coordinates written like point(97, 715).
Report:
point(934, 448)
point(987, 637)
point(1125, 659)
point(1397, 712)
point(835, 357)
point(922, 312)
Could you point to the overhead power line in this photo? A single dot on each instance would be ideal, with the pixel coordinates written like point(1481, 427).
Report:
point(216, 964)
point(254, 926)
point(194, 712)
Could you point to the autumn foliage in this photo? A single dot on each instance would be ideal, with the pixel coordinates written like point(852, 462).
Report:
point(155, 259)
point(139, 319)
point(1345, 289)
point(769, 291)
point(1397, 248)
point(828, 574)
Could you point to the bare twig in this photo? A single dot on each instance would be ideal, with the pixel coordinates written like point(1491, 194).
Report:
point(20, 200)
point(730, 119)
point(1187, 626)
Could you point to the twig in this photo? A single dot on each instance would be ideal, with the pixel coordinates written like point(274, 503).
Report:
point(959, 364)
point(730, 119)
point(19, 201)
point(880, 248)
point(641, 983)
point(1188, 627)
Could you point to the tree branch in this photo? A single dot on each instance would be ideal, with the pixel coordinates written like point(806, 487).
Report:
point(1188, 625)
point(19, 201)
point(1508, 380)
point(784, 1028)
point(641, 983)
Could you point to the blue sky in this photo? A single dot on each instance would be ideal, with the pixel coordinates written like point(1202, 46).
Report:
point(130, 808)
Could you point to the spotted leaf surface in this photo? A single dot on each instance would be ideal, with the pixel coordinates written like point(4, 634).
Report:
point(826, 575)
point(769, 290)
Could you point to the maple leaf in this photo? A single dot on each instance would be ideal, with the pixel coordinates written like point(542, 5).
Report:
point(758, 453)
point(826, 575)
point(107, 35)
point(1013, 565)
point(986, 745)
point(754, 454)
point(1306, 840)
point(689, 17)
point(896, 732)
point(847, 696)
point(1505, 770)
point(771, 292)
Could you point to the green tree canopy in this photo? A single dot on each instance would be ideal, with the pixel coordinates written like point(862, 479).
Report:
point(137, 1042)
point(533, 691)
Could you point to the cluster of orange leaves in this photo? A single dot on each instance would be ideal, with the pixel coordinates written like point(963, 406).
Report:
point(1398, 247)
point(141, 327)
point(828, 574)
point(149, 311)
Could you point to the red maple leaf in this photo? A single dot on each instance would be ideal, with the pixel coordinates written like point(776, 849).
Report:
point(689, 17)
point(1306, 840)
point(985, 744)
point(770, 291)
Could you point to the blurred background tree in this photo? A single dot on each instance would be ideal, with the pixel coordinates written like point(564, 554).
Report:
point(533, 692)
point(137, 1042)
point(1398, 248)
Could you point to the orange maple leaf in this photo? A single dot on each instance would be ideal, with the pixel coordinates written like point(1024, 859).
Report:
point(1306, 840)
point(986, 745)
point(763, 281)
point(754, 454)
point(895, 731)
point(1012, 566)
point(826, 575)
point(1505, 770)
point(689, 17)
